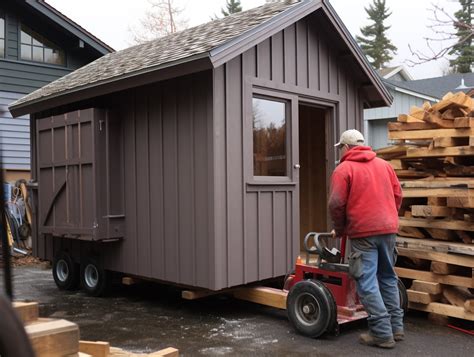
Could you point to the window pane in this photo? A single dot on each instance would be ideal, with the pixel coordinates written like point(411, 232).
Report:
point(2, 48)
point(269, 137)
point(38, 54)
point(2, 27)
point(25, 38)
point(54, 56)
point(26, 52)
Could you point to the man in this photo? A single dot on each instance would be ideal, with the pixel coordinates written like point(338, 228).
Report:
point(364, 202)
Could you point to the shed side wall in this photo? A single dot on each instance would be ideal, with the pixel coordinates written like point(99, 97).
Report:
point(257, 230)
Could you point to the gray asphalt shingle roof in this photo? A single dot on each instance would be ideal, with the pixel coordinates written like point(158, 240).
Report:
point(437, 87)
point(199, 40)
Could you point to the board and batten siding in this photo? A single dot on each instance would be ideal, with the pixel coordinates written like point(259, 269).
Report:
point(167, 182)
point(257, 227)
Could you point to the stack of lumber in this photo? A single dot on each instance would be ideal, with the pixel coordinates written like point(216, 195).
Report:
point(433, 157)
point(53, 337)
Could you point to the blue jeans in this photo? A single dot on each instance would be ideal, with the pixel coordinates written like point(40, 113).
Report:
point(377, 284)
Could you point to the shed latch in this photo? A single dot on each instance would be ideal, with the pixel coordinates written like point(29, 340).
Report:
point(100, 124)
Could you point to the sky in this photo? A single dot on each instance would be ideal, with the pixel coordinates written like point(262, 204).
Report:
point(111, 21)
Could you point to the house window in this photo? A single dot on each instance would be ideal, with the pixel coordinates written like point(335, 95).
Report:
point(2, 36)
point(269, 137)
point(35, 47)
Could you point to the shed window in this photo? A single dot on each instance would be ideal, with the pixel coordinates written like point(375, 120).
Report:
point(269, 137)
point(2, 36)
point(35, 47)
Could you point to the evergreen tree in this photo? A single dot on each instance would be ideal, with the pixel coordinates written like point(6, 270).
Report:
point(374, 42)
point(232, 7)
point(464, 49)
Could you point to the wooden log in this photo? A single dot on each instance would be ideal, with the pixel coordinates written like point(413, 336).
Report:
point(421, 297)
point(449, 258)
point(263, 295)
point(426, 287)
point(444, 268)
point(435, 278)
point(443, 309)
point(458, 296)
point(438, 223)
point(54, 338)
point(436, 246)
point(95, 348)
point(431, 211)
point(429, 134)
point(27, 311)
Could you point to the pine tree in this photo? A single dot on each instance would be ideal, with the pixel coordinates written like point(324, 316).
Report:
point(374, 42)
point(464, 49)
point(232, 7)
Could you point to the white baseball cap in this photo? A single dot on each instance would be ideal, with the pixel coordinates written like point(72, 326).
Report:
point(351, 137)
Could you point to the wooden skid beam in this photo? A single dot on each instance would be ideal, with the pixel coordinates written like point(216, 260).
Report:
point(27, 311)
point(198, 294)
point(443, 309)
point(263, 295)
point(431, 211)
point(435, 278)
point(429, 134)
point(426, 287)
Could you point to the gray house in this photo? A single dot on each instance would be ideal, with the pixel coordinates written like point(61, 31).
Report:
point(38, 45)
point(201, 158)
point(407, 93)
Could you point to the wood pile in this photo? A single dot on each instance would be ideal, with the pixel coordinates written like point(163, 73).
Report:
point(57, 337)
point(433, 157)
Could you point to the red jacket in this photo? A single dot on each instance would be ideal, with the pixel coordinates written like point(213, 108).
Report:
point(365, 195)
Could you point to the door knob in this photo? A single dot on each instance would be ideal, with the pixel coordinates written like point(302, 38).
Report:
point(297, 166)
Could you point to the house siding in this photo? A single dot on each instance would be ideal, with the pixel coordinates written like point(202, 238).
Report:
point(257, 231)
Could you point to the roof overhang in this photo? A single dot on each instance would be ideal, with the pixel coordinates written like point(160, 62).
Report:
point(403, 72)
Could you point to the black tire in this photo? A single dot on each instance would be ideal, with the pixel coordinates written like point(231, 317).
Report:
point(13, 339)
point(311, 308)
point(94, 278)
point(403, 296)
point(65, 272)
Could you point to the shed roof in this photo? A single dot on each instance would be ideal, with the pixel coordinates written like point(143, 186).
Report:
point(217, 41)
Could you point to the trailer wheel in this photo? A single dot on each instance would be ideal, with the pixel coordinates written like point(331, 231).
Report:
point(65, 272)
point(94, 279)
point(402, 290)
point(311, 308)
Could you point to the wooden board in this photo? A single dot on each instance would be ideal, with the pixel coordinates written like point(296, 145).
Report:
point(422, 297)
point(263, 295)
point(429, 134)
point(436, 246)
point(443, 309)
point(438, 223)
point(435, 278)
point(54, 338)
point(95, 348)
point(426, 287)
point(439, 182)
point(435, 192)
point(27, 311)
point(418, 125)
point(464, 122)
point(449, 258)
point(167, 352)
point(441, 151)
point(431, 211)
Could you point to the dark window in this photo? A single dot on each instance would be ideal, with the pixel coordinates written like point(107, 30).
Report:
point(2, 36)
point(35, 47)
point(269, 137)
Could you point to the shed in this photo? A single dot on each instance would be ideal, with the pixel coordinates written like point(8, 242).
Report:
point(200, 158)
